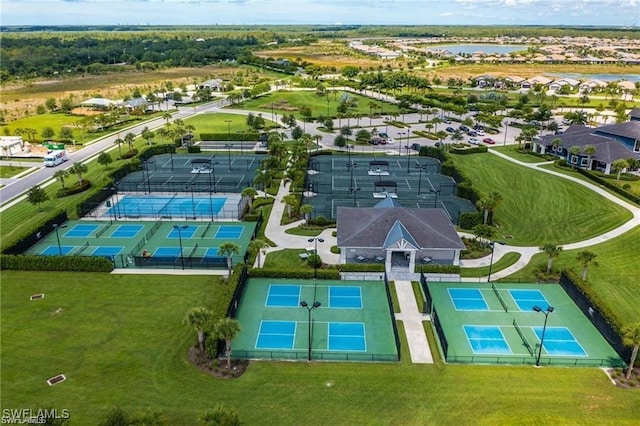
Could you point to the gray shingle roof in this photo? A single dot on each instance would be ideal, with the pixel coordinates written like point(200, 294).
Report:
point(371, 227)
point(399, 232)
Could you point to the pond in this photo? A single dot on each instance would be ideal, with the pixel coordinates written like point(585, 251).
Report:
point(603, 77)
point(484, 48)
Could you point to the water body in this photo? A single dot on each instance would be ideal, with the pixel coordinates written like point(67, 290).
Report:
point(484, 48)
point(603, 77)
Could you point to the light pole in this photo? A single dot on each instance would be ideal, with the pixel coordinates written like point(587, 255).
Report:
point(210, 190)
point(544, 329)
point(408, 148)
point(315, 262)
point(420, 167)
point(55, 226)
point(506, 124)
point(352, 166)
point(354, 191)
point(179, 229)
point(493, 246)
point(146, 167)
point(349, 148)
point(305, 305)
point(401, 134)
point(228, 146)
point(437, 192)
point(188, 187)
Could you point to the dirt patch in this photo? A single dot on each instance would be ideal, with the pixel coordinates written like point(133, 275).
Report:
point(217, 367)
point(617, 376)
point(281, 104)
point(85, 111)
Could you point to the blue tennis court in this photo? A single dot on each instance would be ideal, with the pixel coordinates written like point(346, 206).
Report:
point(229, 232)
point(559, 341)
point(486, 339)
point(55, 250)
point(211, 252)
point(168, 206)
point(81, 231)
point(527, 299)
point(107, 251)
point(283, 296)
point(126, 231)
point(276, 335)
point(468, 299)
point(187, 232)
point(345, 297)
point(346, 336)
point(167, 252)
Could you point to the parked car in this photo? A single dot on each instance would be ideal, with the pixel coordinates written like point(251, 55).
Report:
point(489, 141)
point(390, 140)
point(479, 132)
point(472, 133)
point(416, 146)
point(478, 127)
point(450, 129)
point(474, 141)
point(383, 135)
point(445, 119)
point(375, 141)
point(464, 128)
point(439, 145)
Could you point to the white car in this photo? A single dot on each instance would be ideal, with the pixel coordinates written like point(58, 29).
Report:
point(390, 140)
point(479, 133)
point(474, 141)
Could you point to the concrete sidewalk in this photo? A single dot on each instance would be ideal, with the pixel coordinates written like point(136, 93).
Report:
point(412, 319)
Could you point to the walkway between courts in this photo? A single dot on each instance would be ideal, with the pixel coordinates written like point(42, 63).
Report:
point(412, 319)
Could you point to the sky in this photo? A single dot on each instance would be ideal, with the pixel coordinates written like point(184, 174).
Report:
point(621, 13)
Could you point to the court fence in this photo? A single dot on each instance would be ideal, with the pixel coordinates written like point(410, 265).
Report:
point(444, 345)
point(22, 245)
point(393, 322)
point(237, 294)
point(428, 299)
point(513, 360)
point(315, 356)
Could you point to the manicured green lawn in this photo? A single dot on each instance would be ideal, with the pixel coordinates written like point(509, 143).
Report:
point(539, 208)
point(217, 123)
point(120, 342)
point(285, 259)
point(512, 151)
point(10, 171)
point(290, 102)
point(506, 261)
point(615, 279)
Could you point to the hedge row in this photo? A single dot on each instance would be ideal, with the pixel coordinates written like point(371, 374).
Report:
point(465, 151)
point(251, 137)
point(439, 269)
point(55, 263)
point(75, 189)
point(323, 274)
point(129, 154)
point(595, 301)
point(468, 220)
point(615, 188)
point(361, 267)
point(427, 135)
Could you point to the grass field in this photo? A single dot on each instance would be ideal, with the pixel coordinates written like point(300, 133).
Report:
point(539, 208)
point(504, 262)
point(615, 279)
point(290, 103)
point(120, 342)
point(216, 123)
point(11, 171)
point(512, 151)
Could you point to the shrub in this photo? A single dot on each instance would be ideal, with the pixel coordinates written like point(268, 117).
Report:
point(466, 151)
point(361, 267)
point(468, 220)
point(439, 269)
point(55, 263)
point(324, 274)
point(249, 137)
point(194, 149)
point(75, 189)
point(335, 249)
point(314, 261)
point(129, 154)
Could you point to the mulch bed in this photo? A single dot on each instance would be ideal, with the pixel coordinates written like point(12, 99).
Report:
point(617, 375)
point(217, 367)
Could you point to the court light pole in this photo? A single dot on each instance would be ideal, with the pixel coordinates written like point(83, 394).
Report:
point(408, 148)
point(352, 166)
point(188, 187)
point(315, 263)
point(228, 146)
point(55, 226)
point(493, 246)
point(146, 167)
point(401, 134)
point(354, 191)
point(305, 305)
point(210, 190)
point(544, 329)
point(179, 228)
point(437, 192)
point(420, 167)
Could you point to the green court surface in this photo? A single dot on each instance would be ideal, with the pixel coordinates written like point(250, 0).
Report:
point(415, 182)
point(148, 244)
point(352, 323)
point(485, 324)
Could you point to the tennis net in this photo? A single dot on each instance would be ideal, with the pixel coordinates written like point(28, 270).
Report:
point(193, 250)
point(101, 231)
point(499, 296)
point(524, 339)
point(206, 229)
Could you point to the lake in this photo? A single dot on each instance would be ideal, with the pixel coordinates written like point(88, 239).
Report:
point(485, 48)
point(603, 77)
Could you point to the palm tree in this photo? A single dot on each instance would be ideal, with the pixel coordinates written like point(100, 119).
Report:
point(227, 329)
point(488, 204)
point(574, 151)
point(485, 233)
point(119, 142)
point(199, 318)
point(263, 177)
point(306, 210)
point(61, 175)
point(555, 143)
point(257, 246)
point(128, 138)
point(291, 200)
point(585, 258)
point(317, 139)
point(166, 116)
point(228, 250)
point(250, 193)
point(79, 169)
point(552, 251)
point(631, 337)
point(590, 150)
point(618, 166)
point(147, 134)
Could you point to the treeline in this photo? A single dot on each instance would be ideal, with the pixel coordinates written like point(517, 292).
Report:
point(32, 57)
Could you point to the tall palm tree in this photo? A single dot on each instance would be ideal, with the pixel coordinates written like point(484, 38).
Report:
point(78, 169)
point(119, 142)
point(250, 193)
point(631, 337)
point(257, 246)
point(590, 150)
point(585, 258)
point(128, 138)
point(61, 175)
point(147, 134)
point(306, 210)
point(618, 166)
point(199, 318)
point(228, 250)
point(552, 251)
point(291, 200)
point(227, 329)
point(555, 143)
point(166, 116)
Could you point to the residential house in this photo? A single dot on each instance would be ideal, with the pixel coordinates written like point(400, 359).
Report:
point(215, 84)
point(558, 84)
point(590, 85)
